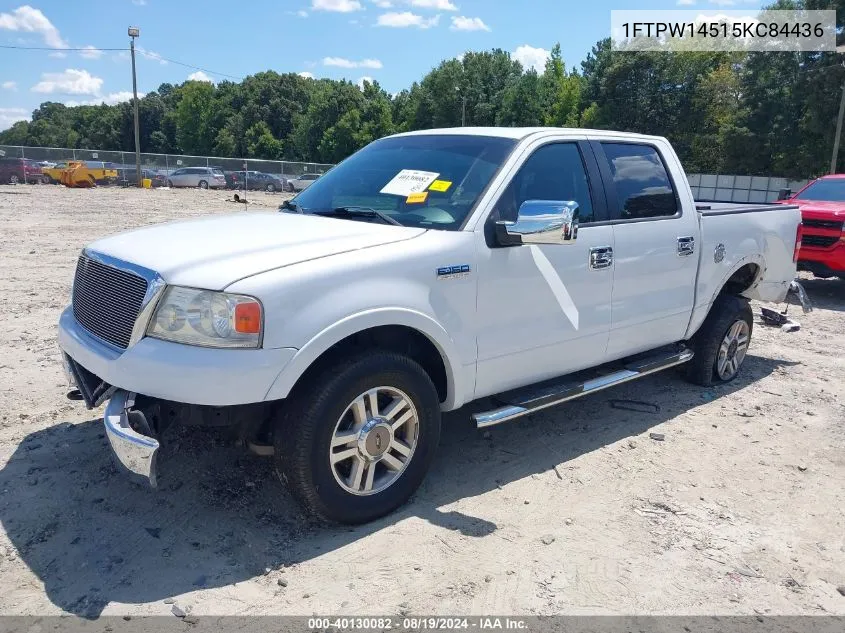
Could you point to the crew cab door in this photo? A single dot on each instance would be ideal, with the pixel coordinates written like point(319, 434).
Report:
point(656, 242)
point(543, 309)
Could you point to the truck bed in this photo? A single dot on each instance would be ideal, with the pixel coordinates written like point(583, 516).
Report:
point(733, 208)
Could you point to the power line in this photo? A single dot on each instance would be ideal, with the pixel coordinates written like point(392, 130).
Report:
point(147, 54)
point(158, 57)
point(60, 50)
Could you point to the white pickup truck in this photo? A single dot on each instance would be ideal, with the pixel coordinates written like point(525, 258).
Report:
point(426, 271)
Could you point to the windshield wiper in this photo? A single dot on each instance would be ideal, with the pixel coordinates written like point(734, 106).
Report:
point(358, 212)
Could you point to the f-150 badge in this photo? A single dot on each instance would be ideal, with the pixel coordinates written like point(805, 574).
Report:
point(453, 272)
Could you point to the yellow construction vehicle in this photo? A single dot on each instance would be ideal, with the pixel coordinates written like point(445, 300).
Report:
point(79, 173)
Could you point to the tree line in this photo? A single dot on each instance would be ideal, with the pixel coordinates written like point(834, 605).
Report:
point(725, 112)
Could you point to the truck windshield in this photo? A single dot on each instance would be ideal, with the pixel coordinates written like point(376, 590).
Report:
point(427, 181)
point(832, 190)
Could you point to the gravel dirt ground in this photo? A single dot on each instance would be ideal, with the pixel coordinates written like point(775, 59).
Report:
point(739, 509)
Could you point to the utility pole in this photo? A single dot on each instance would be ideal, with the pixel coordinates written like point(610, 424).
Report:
point(838, 131)
point(134, 32)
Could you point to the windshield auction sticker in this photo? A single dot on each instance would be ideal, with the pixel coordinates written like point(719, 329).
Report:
point(409, 181)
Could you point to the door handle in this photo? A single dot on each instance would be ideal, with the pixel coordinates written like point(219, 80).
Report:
point(686, 246)
point(601, 257)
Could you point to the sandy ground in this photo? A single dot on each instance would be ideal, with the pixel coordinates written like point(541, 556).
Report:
point(574, 510)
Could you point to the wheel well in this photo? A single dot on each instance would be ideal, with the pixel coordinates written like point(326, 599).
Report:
point(395, 338)
point(741, 280)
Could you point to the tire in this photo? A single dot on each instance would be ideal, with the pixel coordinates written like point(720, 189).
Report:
point(13, 180)
point(323, 408)
point(271, 188)
point(203, 184)
point(291, 188)
point(169, 183)
point(730, 320)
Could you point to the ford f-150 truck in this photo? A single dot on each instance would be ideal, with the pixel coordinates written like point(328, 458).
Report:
point(822, 205)
point(430, 269)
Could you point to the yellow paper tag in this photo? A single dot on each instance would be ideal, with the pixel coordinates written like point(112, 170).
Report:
point(417, 198)
point(440, 185)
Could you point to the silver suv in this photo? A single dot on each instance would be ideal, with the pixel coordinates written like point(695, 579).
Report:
point(202, 177)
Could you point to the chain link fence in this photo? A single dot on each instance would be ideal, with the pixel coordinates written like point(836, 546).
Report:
point(729, 188)
point(158, 167)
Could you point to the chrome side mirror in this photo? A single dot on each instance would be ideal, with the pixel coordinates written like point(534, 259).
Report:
point(541, 222)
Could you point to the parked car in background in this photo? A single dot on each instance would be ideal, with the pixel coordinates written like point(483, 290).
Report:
point(304, 181)
point(261, 181)
point(822, 204)
point(15, 170)
point(202, 177)
point(127, 176)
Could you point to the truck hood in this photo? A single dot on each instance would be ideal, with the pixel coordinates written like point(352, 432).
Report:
point(213, 252)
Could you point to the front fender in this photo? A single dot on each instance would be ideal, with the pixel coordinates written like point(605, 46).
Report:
point(335, 333)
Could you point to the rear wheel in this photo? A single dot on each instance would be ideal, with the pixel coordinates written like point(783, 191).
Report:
point(203, 184)
point(356, 442)
point(271, 188)
point(722, 342)
point(13, 180)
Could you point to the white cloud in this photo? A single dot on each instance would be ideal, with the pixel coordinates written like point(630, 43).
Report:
point(306, 74)
point(112, 98)
point(30, 20)
point(10, 85)
point(302, 13)
point(364, 80)
point(336, 6)
point(341, 62)
point(150, 54)
point(531, 57)
point(140, 3)
point(89, 52)
point(199, 76)
point(686, 3)
point(69, 82)
point(57, 55)
point(383, 4)
point(723, 3)
point(406, 19)
point(461, 23)
point(440, 5)
point(10, 116)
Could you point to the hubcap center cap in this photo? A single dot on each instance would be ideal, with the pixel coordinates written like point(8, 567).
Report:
point(375, 438)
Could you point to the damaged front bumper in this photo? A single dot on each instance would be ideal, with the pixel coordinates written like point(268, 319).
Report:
point(130, 436)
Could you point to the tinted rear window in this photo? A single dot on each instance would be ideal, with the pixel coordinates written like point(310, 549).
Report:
point(643, 187)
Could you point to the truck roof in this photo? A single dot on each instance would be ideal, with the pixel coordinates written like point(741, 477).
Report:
point(519, 133)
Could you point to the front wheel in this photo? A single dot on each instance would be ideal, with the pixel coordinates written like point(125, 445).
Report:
point(13, 180)
point(169, 183)
point(355, 443)
point(722, 342)
point(271, 188)
point(203, 184)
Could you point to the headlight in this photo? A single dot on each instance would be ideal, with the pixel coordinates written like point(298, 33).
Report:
point(207, 318)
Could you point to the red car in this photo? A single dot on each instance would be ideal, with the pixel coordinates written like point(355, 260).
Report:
point(822, 204)
point(15, 170)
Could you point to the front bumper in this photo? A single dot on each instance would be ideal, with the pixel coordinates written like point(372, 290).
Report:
point(130, 437)
point(176, 372)
point(828, 261)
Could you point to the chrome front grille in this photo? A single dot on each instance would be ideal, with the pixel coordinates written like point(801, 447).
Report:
point(107, 300)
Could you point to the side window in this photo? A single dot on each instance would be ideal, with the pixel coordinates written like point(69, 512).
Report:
point(553, 172)
point(643, 187)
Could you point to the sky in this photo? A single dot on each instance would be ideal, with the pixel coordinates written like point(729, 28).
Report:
point(394, 42)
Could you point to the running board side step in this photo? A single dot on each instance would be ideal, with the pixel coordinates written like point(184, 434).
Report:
point(528, 400)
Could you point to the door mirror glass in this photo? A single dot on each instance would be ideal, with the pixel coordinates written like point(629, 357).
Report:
point(784, 194)
point(541, 222)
